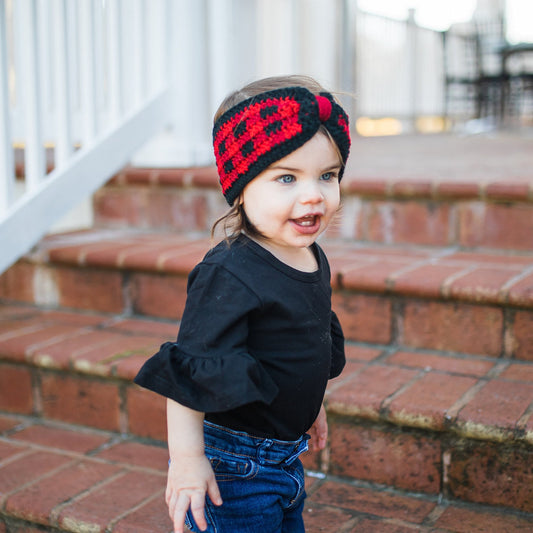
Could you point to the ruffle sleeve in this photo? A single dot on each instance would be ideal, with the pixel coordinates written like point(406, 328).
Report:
point(207, 384)
point(338, 358)
point(209, 368)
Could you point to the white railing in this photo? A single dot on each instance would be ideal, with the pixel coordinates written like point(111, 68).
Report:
point(90, 78)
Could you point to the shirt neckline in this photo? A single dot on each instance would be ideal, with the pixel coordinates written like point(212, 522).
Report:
point(280, 265)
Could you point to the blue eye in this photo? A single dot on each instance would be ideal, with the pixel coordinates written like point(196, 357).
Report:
point(286, 179)
point(328, 176)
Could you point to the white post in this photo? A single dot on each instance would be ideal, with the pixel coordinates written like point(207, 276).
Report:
point(88, 74)
point(27, 39)
point(7, 171)
point(63, 145)
point(116, 69)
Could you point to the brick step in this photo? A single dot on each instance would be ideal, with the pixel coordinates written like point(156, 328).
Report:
point(416, 297)
point(456, 426)
point(429, 190)
point(61, 478)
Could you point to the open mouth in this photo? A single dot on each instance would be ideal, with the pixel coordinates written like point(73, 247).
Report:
point(309, 220)
point(307, 224)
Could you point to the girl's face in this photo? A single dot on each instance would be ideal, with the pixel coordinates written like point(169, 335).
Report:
point(292, 201)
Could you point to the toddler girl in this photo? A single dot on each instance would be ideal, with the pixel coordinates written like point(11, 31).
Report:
point(258, 340)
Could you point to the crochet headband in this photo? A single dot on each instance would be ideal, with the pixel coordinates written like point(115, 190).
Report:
point(265, 128)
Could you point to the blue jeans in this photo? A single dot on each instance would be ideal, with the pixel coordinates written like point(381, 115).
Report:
point(261, 482)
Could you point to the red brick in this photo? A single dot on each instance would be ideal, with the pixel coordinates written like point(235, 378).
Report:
point(360, 353)
point(81, 401)
point(506, 226)
point(16, 283)
point(463, 520)
point(73, 318)
point(492, 474)
point(426, 281)
point(146, 413)
point(107, 254)
point(14, 311)
point(73, 254)
point(380, 526)
point(107, 503)
point(140, 258)
point(141, 176)
point(7, 423)
point(453, 327)
point(376, 277)
point(425, 223)
point(370, 187)
point(507, 191)
point(521, 292)
point(444, 363)
point(9, 450)
point(120, 207)
point(364, 318)
point(373, 502)
point(16, 389)
point(522, 334)
point(176, 210)
point(128, 367)
point(95, 290)
point(143, 327)
point(20, 348)
point(324, 519)
point(498, 404)
point(365, 393)
point(461, 190)
point(518, 372)
point(134, 453)
point(412, 189)
point(64, 352)
point(408, 461)
point(36, 502)
point(64, 439)
point(102, 359)
point(419, 406)
point(183, 262)
point(159, 296)
point(483, 284)
point(494, 259)
point(150, 518)
point(28, 468)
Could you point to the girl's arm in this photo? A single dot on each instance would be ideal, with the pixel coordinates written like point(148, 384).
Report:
point(190, 475)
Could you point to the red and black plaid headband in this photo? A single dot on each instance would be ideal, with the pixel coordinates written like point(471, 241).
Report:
point(265, 128)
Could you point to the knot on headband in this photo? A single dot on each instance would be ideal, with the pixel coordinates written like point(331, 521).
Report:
point(265, 128)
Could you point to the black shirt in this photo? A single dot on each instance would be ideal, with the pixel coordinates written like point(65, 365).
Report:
point(257, 343)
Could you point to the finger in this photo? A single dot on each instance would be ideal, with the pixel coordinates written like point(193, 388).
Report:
point(214, 492)
point(197, 509)
point(180, 509)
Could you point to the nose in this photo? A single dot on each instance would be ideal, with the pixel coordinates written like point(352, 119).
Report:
point(311, 193)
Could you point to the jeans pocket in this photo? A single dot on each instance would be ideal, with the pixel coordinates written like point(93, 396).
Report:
point(229, 467)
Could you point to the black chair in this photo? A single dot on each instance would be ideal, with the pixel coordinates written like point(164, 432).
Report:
point(461, 75)
point(473, 74)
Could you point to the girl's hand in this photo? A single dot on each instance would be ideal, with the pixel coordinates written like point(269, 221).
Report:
point(319, 431)
point(189, 479)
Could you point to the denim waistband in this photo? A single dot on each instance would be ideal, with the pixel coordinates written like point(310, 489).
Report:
point(264, 451)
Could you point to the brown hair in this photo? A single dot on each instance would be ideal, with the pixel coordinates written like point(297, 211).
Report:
point(235, 221)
